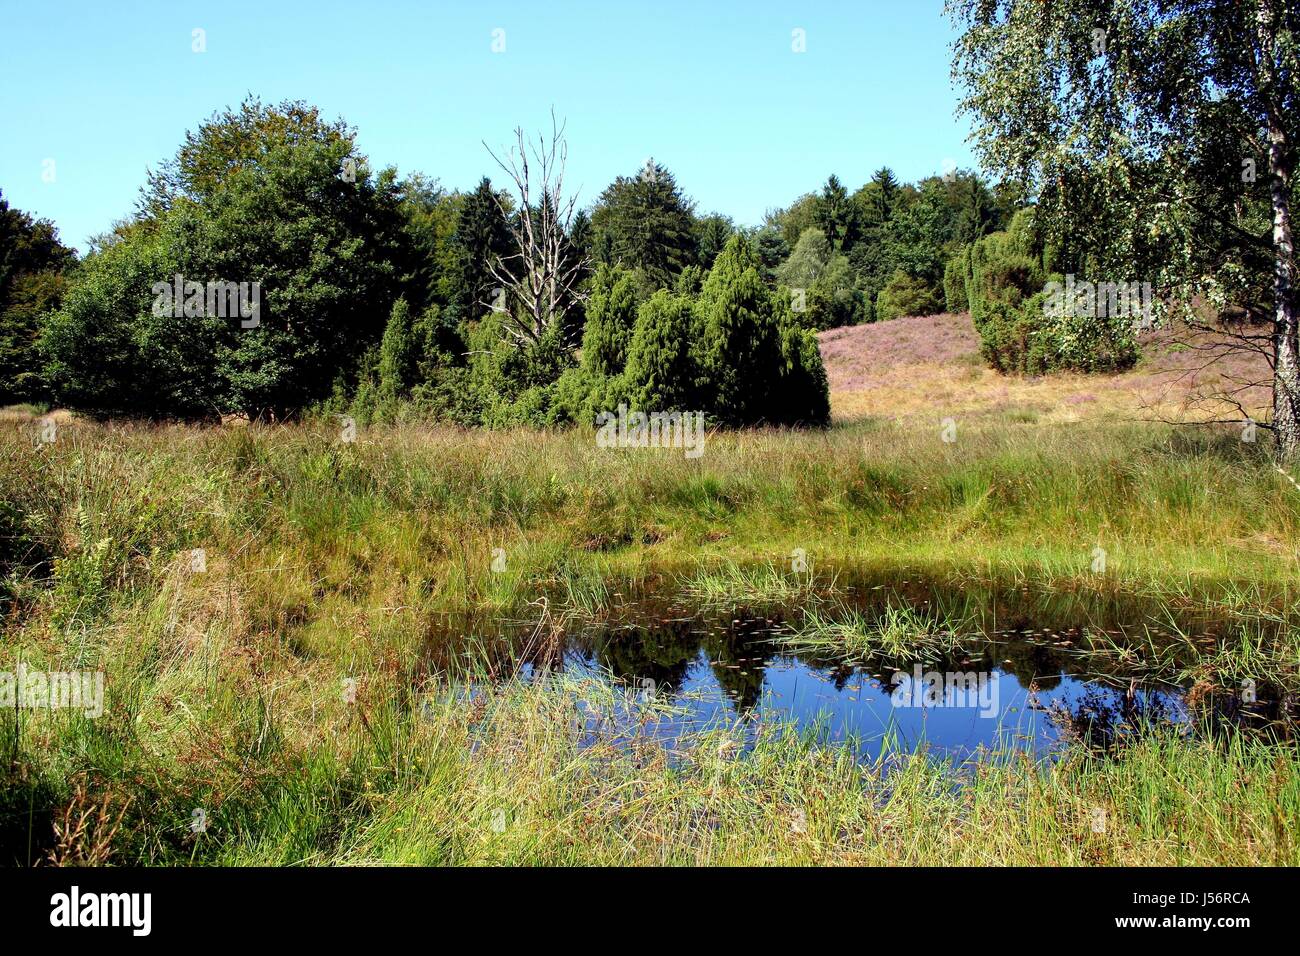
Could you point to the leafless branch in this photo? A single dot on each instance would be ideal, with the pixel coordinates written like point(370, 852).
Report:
point(541, 277)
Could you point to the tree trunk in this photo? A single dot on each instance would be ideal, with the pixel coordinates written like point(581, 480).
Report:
point(1286, 353)
point(1286, 347)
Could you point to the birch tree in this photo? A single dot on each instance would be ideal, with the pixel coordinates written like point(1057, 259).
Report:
point(1157, 136)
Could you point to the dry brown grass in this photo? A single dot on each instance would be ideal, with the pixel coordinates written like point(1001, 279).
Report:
point(930, 367)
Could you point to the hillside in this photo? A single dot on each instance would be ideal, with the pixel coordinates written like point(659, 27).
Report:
point(930, 367)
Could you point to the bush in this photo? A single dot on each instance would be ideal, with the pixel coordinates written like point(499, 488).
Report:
point(611, 314)
point(1006, 280)
point(803, 381)
point(740, 346)
point(905, 295)
point(661, 370)
point(954, 282)
point(398, 355)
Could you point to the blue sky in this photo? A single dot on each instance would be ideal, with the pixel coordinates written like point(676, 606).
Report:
point(713, 90)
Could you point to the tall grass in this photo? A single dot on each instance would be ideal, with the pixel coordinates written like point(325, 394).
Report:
point(283, 690)
point(894, 632)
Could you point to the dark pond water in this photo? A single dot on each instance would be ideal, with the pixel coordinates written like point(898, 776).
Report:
point(1021, 678)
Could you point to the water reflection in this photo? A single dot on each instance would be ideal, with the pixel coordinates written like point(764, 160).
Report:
point(1022, 678)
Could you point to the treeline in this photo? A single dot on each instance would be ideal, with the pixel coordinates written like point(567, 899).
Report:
point(33, 273)
point(880, 252)
point(388, 297)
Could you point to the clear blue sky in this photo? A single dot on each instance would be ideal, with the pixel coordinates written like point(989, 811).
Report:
point(710, 88)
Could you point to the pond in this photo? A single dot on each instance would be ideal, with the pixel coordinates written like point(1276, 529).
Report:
point(1028, 670)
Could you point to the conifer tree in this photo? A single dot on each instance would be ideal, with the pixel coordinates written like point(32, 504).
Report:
point(644, 222)
point(398, 353)
point(660, 366)
point(740, 349)
point(611, 315)
point(483, 237)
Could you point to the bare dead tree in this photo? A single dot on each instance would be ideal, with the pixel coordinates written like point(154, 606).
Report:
point(542, 275)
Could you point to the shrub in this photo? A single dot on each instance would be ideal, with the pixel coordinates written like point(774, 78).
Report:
point(1006, 279)
point(905, 295)
point(611, 314)
point(803, 386)
point(661, 371)
point(398, 356)
point(954, 282)
point(740, 346)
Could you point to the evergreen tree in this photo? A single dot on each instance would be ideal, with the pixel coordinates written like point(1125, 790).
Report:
point(439, 341)
point(740, 349)
point(771, 249)
point(907, 295)
point(883, 197)
point(611, 316)
point(399, 354)
point(661, 369)
point(804, 390)
point(711, 235)
point(483, 237)
point(644, 222)
point(836, 216)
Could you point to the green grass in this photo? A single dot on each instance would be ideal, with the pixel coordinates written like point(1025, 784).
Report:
point(758, 585)
point(896, 632)
point(329, 563)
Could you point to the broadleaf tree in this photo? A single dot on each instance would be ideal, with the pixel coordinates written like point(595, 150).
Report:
point(1158, 139)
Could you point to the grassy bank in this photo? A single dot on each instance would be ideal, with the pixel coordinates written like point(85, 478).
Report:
point(230, 688)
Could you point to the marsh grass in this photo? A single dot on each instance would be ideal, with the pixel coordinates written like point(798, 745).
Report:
point(1262, 648)
point(892, 632)
point(505, 776)
point(758, 585)
point(283, 689)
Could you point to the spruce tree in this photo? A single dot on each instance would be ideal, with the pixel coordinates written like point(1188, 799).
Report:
point(483, 236)
point(644, 222)
point(837, 216)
